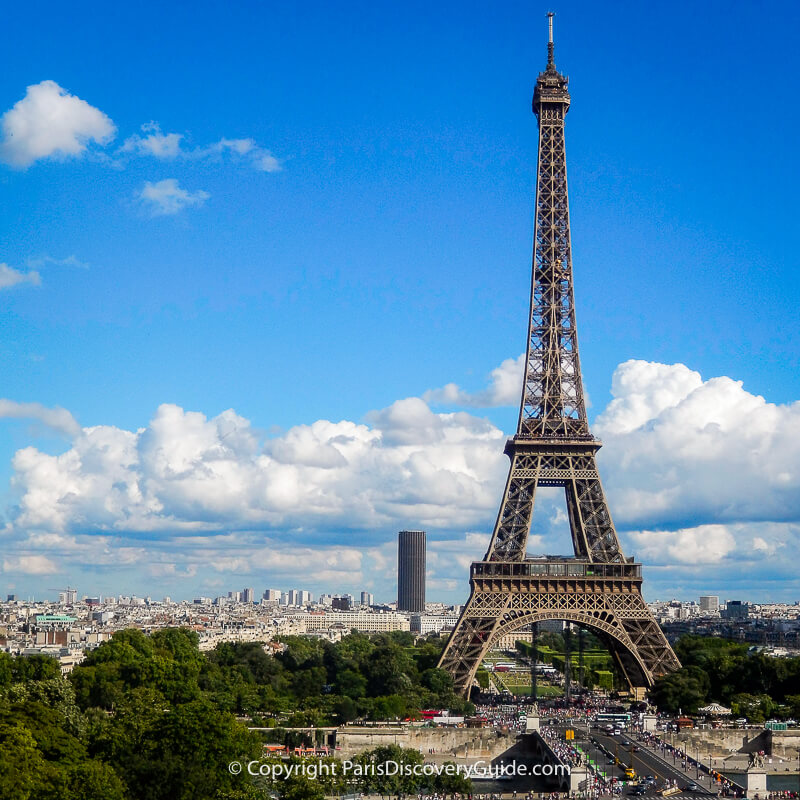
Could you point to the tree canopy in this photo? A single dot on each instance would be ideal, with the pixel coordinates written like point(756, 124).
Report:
point(152, 717)
point(755, 685)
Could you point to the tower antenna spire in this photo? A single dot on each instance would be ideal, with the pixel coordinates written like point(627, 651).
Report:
point(550, 62)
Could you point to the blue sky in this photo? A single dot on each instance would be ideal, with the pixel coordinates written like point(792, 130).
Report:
point(327, 216)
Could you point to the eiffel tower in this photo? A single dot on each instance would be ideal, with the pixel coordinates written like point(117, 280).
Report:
point(599, 588)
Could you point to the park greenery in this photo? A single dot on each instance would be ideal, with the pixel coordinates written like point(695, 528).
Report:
point(752, 684)
point(152, 717)
point(551, 648)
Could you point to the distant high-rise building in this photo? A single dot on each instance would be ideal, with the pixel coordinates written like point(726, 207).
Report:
point(709, 604)
point(411, 571)
point(367, 599)
point(285, 598)
point(342, 603)
point(68, 597)
point(272, 595)
point(736, 609)
point(299, 597)
point(248, 595)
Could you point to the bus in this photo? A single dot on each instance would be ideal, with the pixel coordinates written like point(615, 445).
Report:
point(611, 720)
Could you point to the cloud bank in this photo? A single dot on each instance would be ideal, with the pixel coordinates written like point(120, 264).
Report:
point(186, 472)
point(700, 475)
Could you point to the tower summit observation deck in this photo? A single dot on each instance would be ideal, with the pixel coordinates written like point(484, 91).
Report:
point(599, 588)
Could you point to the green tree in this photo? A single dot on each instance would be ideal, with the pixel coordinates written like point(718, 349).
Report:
point(381, 776)
point(448, 781)
point(6, 669)
point(756, 708)
point(94, 780)
point(350, 683)
point(345, 709)
point(437, 680)
point(35, 668)
point(299, 787)
point(685, 690)
point(186, 752)
point(21, 763)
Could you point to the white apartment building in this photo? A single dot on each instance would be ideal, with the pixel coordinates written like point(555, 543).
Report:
point(358, 620)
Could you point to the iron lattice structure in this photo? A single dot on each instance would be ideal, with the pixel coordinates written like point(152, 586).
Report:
point(599, 588)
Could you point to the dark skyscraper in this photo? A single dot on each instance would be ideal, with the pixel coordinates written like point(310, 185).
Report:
point(411, 571)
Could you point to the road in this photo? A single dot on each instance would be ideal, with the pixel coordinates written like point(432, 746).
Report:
point(597, 745)
point(646, 762)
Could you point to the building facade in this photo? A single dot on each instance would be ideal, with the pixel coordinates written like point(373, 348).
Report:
point(709, 604)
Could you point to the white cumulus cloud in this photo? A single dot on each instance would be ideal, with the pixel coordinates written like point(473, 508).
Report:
point(30, 565)
point(642, 390)
point(13, 277)
point(154, 142)
point(59, 419)
point(186, 472)
point(166, 197)
point(504, 389)
point(50, 122)
point(704, 544)
point(679, 449)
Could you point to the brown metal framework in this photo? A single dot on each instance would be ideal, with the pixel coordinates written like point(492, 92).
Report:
point(600, 588)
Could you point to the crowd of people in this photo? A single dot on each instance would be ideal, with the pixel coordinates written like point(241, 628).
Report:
point(724, 786)
point(513, 717)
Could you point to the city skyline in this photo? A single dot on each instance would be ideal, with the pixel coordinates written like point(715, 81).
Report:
point(169, 277)
point(59, 596)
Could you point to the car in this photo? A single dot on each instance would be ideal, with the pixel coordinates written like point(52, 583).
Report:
point(635, 749)
point(617, 732)
point(693, 787)
point(640, 789)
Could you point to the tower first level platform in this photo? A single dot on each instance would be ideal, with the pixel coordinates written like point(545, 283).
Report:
point(602, 597)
